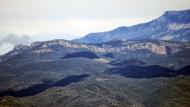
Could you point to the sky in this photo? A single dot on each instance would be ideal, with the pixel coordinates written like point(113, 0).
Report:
point(68, 19)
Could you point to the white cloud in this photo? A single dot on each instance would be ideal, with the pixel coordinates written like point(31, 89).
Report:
point(7, 42)
point(76, 27)
point(5, 47)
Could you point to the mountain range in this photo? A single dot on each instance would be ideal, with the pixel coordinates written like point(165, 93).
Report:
point(134, 66)
point(172, 25)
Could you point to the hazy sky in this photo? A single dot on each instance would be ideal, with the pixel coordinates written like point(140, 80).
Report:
point(68, 19)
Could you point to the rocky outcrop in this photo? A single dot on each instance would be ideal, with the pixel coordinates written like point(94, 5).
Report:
point(158, 47)
point(118, 46)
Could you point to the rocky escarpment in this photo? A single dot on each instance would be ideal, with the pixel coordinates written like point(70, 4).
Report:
point(120, 46)
point(158, 47)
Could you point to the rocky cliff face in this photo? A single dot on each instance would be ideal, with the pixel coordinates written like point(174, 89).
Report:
point(119, 46)
point(159, 47)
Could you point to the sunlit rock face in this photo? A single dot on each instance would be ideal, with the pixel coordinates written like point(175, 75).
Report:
point(159, 49)
point(175, 26)
point(118, 46)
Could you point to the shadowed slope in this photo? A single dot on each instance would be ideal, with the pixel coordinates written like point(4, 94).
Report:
point(36, 89)
point(84, 54)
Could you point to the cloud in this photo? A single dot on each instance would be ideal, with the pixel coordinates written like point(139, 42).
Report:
point(9, 41)
point(16, 39)
point(68, 28)
point(5, 47)
point(79, 17)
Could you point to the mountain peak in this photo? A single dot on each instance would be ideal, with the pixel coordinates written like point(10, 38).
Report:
point(177, 12)
point(182, 16)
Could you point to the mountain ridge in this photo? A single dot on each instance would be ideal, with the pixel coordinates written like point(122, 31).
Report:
point(159, 47)
point(172, 25)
